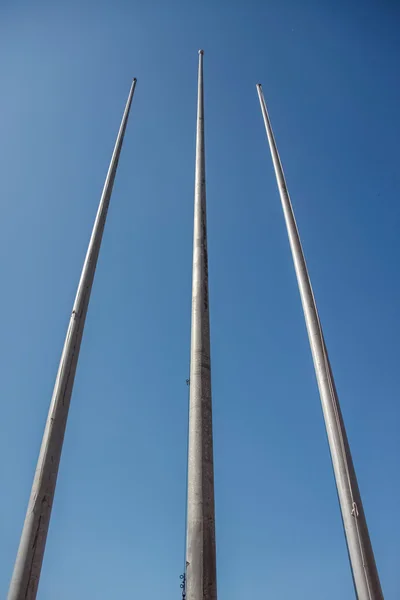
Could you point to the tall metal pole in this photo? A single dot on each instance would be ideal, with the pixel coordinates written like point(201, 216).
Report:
point(201, 576)
point(362, 561)
point(25, 579)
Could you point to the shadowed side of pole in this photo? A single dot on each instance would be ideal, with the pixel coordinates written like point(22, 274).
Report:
point(200, 546)
point(27, 569)
point(362, 561)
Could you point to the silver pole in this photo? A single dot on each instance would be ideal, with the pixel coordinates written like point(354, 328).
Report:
point(362, 561)
point(201, 577)
point(26, 575)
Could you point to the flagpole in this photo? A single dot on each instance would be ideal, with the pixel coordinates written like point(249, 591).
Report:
point(362, 561)
point(201, 576)
point(27, 569)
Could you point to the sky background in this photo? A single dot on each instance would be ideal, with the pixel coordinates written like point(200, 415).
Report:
point(329, 71)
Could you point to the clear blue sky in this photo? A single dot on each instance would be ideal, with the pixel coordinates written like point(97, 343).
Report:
point(329, 73)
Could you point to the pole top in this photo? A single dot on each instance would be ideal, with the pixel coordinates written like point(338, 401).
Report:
point(134, 80)
point(201, 52)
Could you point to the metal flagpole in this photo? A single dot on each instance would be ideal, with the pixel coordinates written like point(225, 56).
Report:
point(200, 553)
point(25, 579)
point(362, 561)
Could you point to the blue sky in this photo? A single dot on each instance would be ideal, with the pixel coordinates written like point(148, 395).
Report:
point(328, 71)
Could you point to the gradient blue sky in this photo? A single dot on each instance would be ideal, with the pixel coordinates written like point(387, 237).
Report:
point(330, 76)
